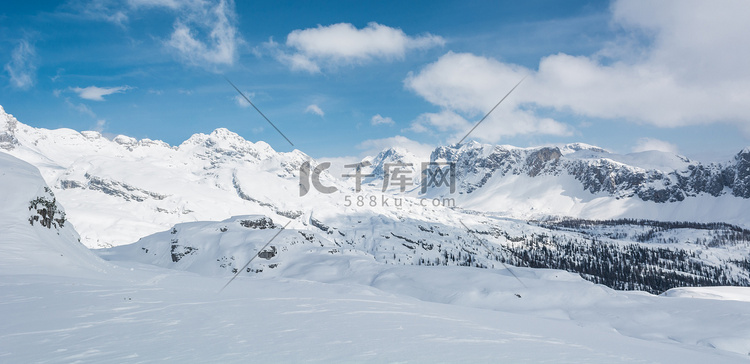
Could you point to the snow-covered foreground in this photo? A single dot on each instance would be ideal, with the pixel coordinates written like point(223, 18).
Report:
point(140, 313)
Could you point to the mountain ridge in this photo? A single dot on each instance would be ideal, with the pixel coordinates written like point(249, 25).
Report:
point(117, 192)
point(576, 180)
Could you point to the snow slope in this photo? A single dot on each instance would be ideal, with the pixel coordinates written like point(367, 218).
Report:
point(26, 246)
point(297, 253)
point(152, 314)
point(344, 307)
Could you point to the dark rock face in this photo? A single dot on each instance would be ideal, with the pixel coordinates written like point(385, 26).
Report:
point(259, 223)
point(537, 160)
point(741, 180)
point(112, 188)
point(476, 164)
point(180, 251)
point(268, 254)
point(8, 139)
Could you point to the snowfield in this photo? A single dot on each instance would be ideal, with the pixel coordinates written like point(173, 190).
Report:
point(134, 313)
point(337, 285)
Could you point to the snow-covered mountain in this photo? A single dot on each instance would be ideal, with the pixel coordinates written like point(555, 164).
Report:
point(119, 190)
point(650, 176)
point(521, 201)
point(122, 189)
point(583, 181)
point(36, 235)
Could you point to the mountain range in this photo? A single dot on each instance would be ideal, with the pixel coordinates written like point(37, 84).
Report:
point(649, 221)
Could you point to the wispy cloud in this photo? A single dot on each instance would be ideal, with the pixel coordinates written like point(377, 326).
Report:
point(85, 110)
point(111, 11)
point(172, 4)
point(100, 124)
point(240, 101)
point(647, 144)
point(97, 93)
point(343, 44)
point(380, 120)
point(81, 108)
point(374, 146)
point(314, 109)
point(206, 34)
point(22, 65)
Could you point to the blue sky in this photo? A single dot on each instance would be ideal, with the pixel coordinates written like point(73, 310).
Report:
point(343, 78)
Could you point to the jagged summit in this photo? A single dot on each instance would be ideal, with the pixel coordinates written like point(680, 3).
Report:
point(577, 147)
point(11, 130)
point(395, 156)
point(8, 126)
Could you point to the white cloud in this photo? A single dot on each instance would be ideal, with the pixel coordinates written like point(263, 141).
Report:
point(205, 34)
point(172, 4)
point(315, 109)
point(22, 65)
point(374, 146)
point(378, 120)
point(99, 10)
point(83, 109)
point(97, 93)
point(444, 121)
point(298, 62)
point(647, 144)
point(241, 102)
point(100, 125)
point(467, 86)
point(295, 61)
point(692, 70)
point(343, 44)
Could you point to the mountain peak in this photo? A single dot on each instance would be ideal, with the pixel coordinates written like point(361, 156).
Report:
point(220, 136)
point(577, 147)
point(125, 140)
point(225, 133)
point(8, 126)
